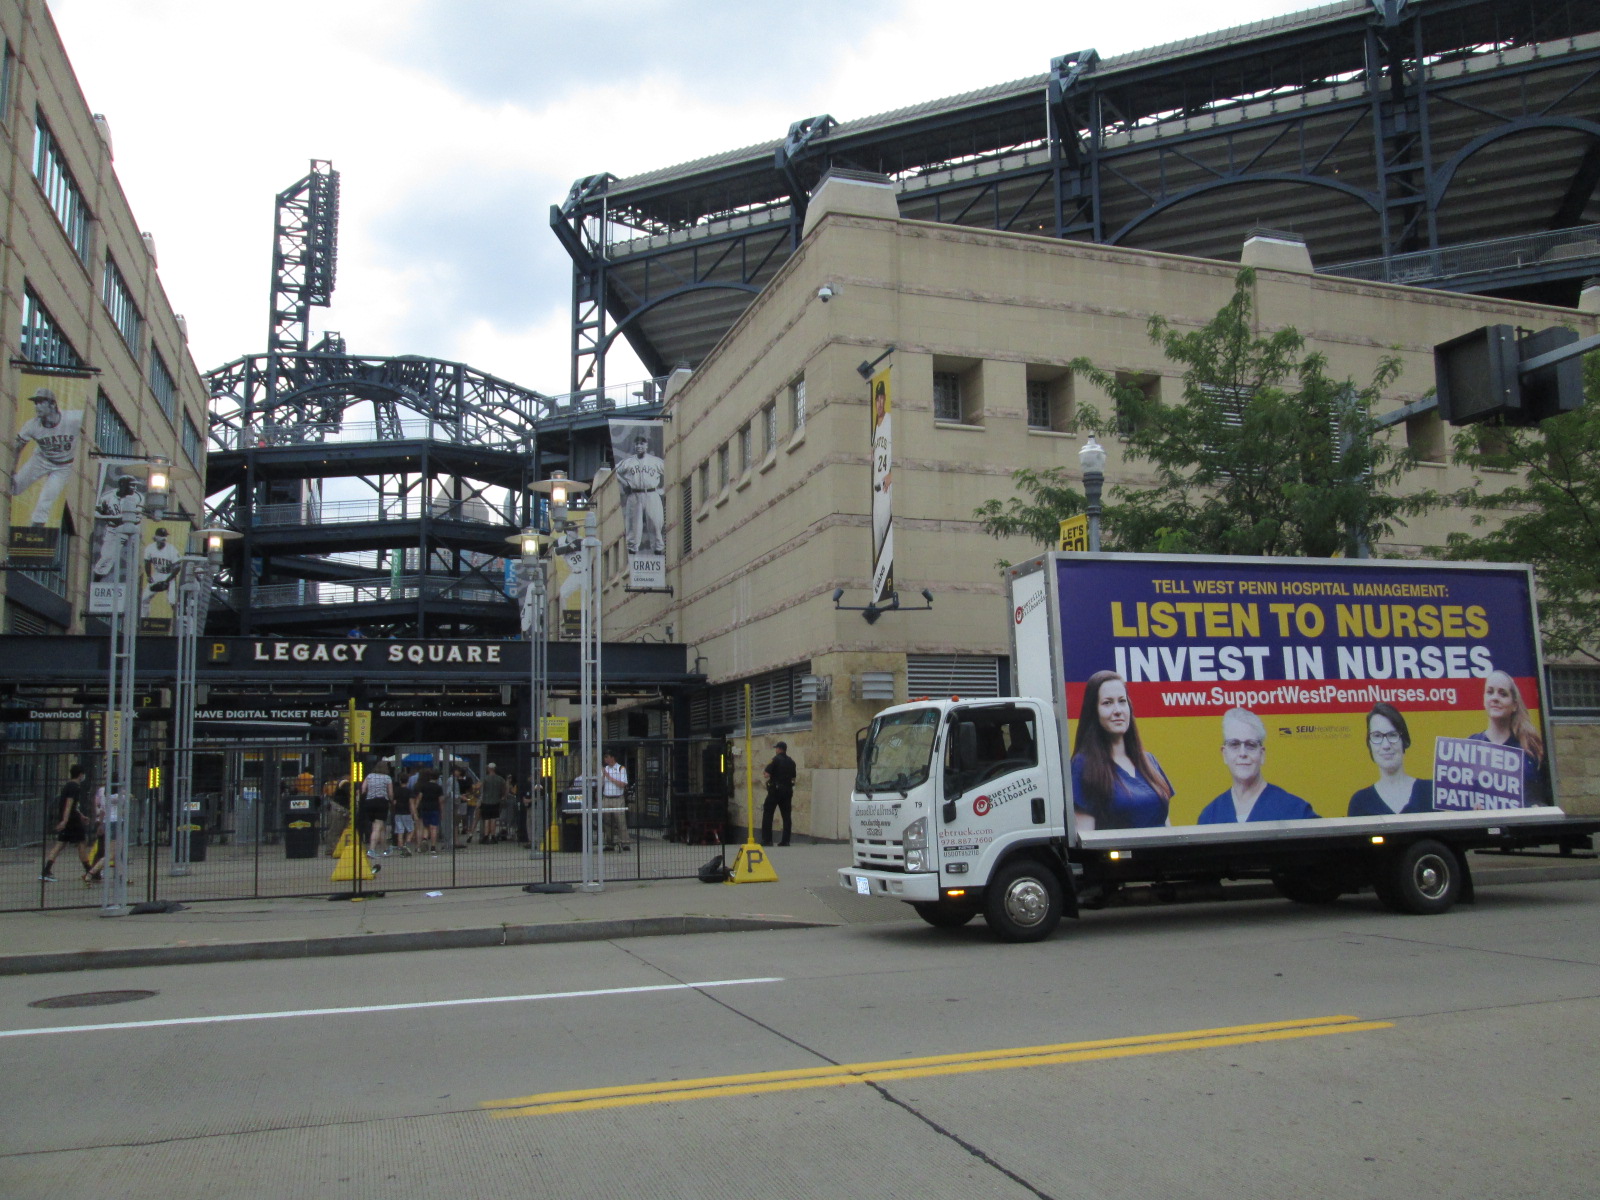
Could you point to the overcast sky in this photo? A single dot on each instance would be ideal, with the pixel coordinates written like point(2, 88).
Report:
point(455, 124)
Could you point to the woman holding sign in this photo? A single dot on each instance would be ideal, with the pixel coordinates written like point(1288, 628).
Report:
point(1116, 783)
point(1510, 725)
point(1388, 739)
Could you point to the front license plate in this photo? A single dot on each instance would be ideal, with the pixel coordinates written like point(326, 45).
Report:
point(863, 886)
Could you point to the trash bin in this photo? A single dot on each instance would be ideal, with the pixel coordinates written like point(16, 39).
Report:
point(299, 828)
point(197, 832)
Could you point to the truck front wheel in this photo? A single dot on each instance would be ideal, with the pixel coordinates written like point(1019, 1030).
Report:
point(943, 915)
point(1023, 901)
point(1424, 878)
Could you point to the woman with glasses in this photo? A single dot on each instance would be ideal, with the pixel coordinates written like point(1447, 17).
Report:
point(1116, 782)
point(1388, 739)
point(1250, 798)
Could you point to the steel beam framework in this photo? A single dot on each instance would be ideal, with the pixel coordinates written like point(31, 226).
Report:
point(1373, 128)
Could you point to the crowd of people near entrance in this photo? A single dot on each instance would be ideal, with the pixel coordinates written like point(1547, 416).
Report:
point(406, 811)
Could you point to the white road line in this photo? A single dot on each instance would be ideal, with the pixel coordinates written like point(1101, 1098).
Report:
point(382, 1008)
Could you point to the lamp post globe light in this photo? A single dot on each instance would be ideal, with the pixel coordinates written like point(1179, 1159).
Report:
point(1092, 462)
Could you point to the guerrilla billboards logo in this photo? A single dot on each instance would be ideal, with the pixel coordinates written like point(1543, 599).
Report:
point(982, 805)
point(1028, 605)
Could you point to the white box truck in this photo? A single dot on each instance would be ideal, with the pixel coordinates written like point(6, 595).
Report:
point(1328, 725)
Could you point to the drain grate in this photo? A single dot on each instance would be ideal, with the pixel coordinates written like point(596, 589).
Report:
point(91, 999)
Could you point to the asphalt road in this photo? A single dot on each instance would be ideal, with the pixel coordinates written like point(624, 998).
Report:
point(1241, 1050)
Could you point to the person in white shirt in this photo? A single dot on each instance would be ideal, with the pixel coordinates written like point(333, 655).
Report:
point(55, 436)
point(614, 795)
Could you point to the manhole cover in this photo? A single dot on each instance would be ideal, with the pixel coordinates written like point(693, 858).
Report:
point(90, 999)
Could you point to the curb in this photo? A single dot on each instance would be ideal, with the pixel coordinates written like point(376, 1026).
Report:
point(390, 943)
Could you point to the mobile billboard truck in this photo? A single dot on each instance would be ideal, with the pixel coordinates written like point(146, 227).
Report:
point(1325, 724)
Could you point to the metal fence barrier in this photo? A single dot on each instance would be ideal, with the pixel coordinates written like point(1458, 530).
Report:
point(264, 821)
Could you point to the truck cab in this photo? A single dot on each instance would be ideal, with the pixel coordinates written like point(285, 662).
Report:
point(950, 796)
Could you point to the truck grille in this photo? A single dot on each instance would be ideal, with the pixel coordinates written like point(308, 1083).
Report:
point(881, 853)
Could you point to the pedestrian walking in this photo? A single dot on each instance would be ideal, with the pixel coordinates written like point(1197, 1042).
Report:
point(614, 798)
point(491, 796)
point(780, 774)
point(377, 794)
point(70, 828)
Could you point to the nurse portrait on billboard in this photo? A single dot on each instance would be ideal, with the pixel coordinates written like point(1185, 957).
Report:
point(1388, 739)
point(1510, 724)
point(1116, 783)
point(1250, 798)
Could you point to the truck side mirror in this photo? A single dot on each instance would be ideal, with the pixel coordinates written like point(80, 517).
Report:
point(948, 811)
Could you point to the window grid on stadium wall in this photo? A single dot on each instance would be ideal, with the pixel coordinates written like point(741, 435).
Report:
point(1575, 690)
point(162, 384)
point(193, 444)
point(119, 303)
point(774, 698)
point(60, 189)
point(111, 432)
point(42, 339)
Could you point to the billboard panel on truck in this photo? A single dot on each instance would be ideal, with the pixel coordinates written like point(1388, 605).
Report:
point(1210, 692)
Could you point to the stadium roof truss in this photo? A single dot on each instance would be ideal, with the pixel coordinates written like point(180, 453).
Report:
point(1372, 128)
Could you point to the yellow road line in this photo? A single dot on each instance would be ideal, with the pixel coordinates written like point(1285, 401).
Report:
point(630, 1095)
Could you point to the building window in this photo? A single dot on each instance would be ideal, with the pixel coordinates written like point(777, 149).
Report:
point(60, 189)
point(705, 481)
point(42, 339)
point(161, 383)
point(947, 396)
point(111, 432)
point(1127, 420)
point(797, 405)
point(8, 70)
point(688, 515)
point(769, 430)
point(1575, 690)
point(722, 467)
point(119, 303)
point(1038, 404)
point(744, 449)
point(1425, 437)
point(193, 445)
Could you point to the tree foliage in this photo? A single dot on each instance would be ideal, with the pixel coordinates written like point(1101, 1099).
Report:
point(1545, 511)
point(1267, 454)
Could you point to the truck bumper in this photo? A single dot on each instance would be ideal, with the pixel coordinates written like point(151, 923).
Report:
point(919, 888)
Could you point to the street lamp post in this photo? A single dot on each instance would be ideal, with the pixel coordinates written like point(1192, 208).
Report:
point(198, 570)
point(559, 488)
point(118, 814)
point(1092, 462)
point(535, 599)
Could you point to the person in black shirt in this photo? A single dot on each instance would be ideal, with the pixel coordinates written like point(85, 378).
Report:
point(70, 828)
point(780, 773)
point(428, 802)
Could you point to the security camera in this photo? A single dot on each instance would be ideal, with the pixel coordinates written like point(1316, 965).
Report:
point(825, 293)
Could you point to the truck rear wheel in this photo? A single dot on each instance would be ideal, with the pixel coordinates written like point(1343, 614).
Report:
point(944, 915)
point(1424, 879)
point(1023, 901)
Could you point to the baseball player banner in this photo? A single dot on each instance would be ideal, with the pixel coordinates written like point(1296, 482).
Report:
point(882, 495)
point(119, 500)
point(44, 454)
point(162, 543)
point(636, 449)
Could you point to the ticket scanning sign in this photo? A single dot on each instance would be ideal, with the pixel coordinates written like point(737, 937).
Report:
point(1274, 690)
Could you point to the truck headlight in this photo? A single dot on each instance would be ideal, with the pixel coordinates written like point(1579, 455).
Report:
point(915, 843)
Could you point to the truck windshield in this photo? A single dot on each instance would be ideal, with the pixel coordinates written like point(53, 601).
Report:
point(898, 752)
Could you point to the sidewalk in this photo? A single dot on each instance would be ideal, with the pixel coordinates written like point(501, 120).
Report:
point(807, 894)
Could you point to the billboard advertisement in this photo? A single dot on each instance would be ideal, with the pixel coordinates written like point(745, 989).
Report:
point(636, 449)
point(1205, 692)
point(49, 438)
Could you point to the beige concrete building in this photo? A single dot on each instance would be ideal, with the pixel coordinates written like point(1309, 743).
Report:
point(769, 511)
point(78, 289)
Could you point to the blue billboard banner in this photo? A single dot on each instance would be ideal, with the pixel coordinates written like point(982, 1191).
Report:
point(1261, 690)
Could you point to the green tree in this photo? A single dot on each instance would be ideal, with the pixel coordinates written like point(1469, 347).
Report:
point(1267, 454)
point(1545, 512)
